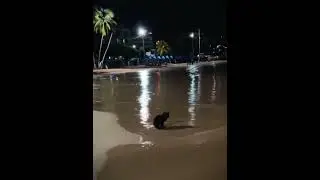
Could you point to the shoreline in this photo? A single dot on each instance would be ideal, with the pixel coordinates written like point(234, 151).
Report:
point(120, 141)
point(115, 147)
point(137, 68)
point(201, 155)
point(107, 134)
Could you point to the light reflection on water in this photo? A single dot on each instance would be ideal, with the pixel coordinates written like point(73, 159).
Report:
point(213, 92)
point(144, 143)
point(194, 96)
point(144, 99)
point(193, 93)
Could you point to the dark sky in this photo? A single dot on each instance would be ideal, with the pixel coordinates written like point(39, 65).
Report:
point(172, 19)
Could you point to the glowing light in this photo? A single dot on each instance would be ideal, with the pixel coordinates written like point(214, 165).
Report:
point(191, 35)
point(214, 92)
point(193, 93)
point(144, 99)
point(142, 31)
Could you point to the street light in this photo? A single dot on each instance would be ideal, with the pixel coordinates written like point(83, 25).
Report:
point(191, 35)
point(134, 46)
point(141, 33)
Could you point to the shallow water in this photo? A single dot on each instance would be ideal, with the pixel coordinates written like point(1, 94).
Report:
point(195, 96)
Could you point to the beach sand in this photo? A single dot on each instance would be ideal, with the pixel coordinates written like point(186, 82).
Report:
point(120, 70)
point(120, 155)
point(130, 70)
point(107, 133)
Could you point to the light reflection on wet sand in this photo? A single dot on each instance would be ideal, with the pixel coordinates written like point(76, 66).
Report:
point(193, 93)
point(144, 99)
point(195, 96)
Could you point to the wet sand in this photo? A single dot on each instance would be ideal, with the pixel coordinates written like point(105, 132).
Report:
point(119, 70)
point(131, 149)
point(119, 154)
point(130, 70)
point(198, 156)
point(107, 133)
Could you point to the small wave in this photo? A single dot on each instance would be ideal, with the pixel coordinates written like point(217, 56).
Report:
point(216, 130)
point(202, 105)
point(125, 102)
point(203, 136)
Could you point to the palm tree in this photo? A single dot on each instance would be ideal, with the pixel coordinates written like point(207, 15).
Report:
point(94, 62)
point(162, 47)
point(103, 20)
point(105, 52)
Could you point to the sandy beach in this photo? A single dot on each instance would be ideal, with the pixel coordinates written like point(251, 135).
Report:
point(119, 70)
point(126, 147)
point(129, 70)
point(205, 161)
point(107, 133)
point(121, 155)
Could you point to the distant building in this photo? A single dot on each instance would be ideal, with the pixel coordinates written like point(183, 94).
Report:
point(148, 42)
point(121, 35)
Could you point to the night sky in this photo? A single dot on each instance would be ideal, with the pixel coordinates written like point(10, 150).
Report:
point(172, 20)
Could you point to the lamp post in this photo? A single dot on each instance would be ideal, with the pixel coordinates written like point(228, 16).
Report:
point(192, 36)
point(142, 33)
point(199, 45)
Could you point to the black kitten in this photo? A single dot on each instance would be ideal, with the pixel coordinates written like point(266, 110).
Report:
point(159, 120)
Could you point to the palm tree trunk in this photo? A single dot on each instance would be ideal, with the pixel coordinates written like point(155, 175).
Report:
point(100, 48)
point(94, 63)
point(105, 52)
